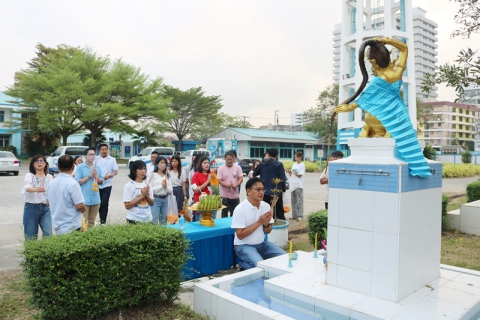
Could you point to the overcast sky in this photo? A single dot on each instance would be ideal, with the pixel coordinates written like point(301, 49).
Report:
point(258, 55)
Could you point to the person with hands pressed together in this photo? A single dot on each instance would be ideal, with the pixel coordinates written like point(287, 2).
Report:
point(137, 195)
point(89, 176)
point(161, 186)
point(251, 220)
point(202, 177)
point(230, 177)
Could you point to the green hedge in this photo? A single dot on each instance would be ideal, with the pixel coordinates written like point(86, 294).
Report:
point(84, 275)
point(317, 221)
point(445, 200)
point(473, 191)
point(450, 170)
point(309, 166)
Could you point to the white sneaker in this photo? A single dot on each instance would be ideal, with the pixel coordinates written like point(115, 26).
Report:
point(299, 219)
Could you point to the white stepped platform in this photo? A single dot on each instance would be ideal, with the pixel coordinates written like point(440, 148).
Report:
point(454, 295)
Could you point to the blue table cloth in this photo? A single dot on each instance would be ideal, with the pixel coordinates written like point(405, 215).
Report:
point(212, 247)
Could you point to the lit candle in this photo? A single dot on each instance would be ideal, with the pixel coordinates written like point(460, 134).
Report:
point(316, 241)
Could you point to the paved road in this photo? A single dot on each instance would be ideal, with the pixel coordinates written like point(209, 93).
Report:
point(11, 207)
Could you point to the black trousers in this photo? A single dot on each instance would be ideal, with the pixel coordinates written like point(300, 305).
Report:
point(104, 199)
point(278, 211)
point(230, 204)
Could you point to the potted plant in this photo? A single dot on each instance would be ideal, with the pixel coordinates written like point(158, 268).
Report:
point(279, 233)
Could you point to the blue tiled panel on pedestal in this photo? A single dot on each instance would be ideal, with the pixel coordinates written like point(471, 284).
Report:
point(347, 176)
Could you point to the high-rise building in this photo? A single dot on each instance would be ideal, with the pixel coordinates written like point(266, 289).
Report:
point(363, 20)
point(449, 123)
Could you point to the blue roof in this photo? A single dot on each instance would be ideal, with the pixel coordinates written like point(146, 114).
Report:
point(4, 98)
point(257, 133)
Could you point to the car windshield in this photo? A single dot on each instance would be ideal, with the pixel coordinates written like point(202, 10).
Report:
point(7, 155)
point(57, 152)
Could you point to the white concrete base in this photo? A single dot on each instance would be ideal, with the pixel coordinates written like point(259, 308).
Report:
point(455, 294)
point(466, 219)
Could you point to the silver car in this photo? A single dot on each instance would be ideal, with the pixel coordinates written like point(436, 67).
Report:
point(9, 163)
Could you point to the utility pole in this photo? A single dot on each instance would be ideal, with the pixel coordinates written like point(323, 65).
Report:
point(244, 119)
point(275, 119)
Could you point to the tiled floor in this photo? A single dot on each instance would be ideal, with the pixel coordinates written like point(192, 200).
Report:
point(454, 295)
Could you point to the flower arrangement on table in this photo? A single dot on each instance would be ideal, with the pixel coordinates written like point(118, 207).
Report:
point(276, 194)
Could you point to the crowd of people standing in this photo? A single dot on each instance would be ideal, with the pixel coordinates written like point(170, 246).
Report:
point(83, 188)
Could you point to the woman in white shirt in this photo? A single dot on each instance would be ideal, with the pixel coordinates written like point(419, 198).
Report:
point(161, 185)
point(137, 195)
point(36, 211)
point(178, 177)
point(296, 181)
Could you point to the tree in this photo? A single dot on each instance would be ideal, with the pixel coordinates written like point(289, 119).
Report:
point(217, 123)
point(74, 89)
point(46, 88)
point(467, 71)
point(425, 115)
point(190, 110)
point(429, 152)
point(144, 138)
point(318, 118)
point(100, 138)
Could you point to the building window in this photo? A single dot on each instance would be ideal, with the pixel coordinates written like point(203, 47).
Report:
point(460, 111)
point(454, 117)
point(286, 153)
point(257, 152)
point(4, 140)
point(2, 116)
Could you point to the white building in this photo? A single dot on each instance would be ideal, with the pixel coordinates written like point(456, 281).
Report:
point(471, 94)
point(363, 20)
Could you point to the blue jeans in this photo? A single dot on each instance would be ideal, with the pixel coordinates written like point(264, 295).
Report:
point(250, 255)
point(35, 214)
point(159, 211)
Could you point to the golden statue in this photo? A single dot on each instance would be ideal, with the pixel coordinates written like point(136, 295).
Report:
point(386, 115)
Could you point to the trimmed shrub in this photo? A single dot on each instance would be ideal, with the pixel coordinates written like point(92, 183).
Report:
point(467, 157)
point(84, 275)
point(309, 166)
point(12, 149)
point(462, 170)
point(445, 200)
point(473, 191)
point(317, 221)
point(429, 152)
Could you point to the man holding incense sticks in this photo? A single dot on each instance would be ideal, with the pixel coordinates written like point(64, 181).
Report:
point(252, 219)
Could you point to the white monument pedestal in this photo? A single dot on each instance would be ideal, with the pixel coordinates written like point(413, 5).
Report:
point(384, 225)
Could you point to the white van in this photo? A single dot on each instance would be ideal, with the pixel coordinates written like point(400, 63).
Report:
point(144, 155)
point(60, 151)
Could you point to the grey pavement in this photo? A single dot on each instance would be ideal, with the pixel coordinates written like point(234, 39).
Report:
point(11, 207)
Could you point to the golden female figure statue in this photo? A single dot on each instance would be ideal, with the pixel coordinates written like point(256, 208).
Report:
point(386, 115)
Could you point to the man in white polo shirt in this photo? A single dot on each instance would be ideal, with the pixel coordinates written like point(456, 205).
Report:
point(251, 220)
point(65, 198)
point(109, 168)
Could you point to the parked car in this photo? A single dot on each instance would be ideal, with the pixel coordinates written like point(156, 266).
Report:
point(60, 151)
point(9, 163)
point(144, 155)
point(191, 154)
point(245, 163)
